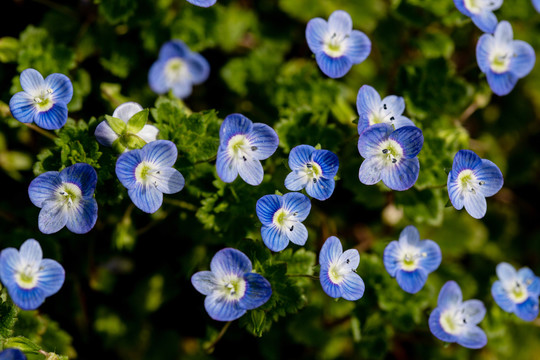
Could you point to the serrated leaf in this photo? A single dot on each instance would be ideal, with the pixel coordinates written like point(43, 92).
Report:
point(116, 124)
point(137, 121)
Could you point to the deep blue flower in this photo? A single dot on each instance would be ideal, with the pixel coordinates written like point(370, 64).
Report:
point(242, 145)
point(337, 47)
point(455, 320)
point(12, 354)
point(202, 3)
point(43, 101)
point(504, 60)
point(28, 277)
point(480, 12)
point(282, 218)
point(148, 173)
point(231, 288)
point(390, 155)
point(177, 68)
point(410, 259)
point(517, 292)
point(338, 271)
point(66, 198)
point(313, 170)
point(373, 110)
point(471, 180)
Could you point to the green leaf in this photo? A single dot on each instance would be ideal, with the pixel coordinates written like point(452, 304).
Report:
point(137, 121)
point(23, 344)
point(116, 11)
point(8, 49)
point(116, 124)
point(8, 314)
point(132, 141)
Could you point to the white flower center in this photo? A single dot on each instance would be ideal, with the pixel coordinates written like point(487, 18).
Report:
point(391, 152)
point(468, 182)
point(175, 70)
point(44, 100)
point(232, 287)
point(453, 320)
point(410, 259)
point(147, 173)
point(239, 148)
point(381, 115)
point(518, 293)
point(283, 219)
point(334, 44)
point(312, 171)
point(69, 194)
point(26, 276)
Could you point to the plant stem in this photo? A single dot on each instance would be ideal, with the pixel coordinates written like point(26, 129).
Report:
point(209, 348)
point(181, 204)
point(41, 131)
point(303, 275)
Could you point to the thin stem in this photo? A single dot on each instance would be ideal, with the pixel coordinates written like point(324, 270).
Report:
point(205, 161)
point(181, 204)
point(434, 187)
point(41, 131)
point(303, 275)
point(209, 348)
point(468, 112)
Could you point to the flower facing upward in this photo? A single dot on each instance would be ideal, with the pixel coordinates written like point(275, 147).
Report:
point(480, 12)
point(502, 59)
point(66, 198)
point(337, 47)
point(338, 271)
point(410, 259)
point(43, 101)
point(28, 277)
point(282, 218)
point(231, 288)
point(202, 3)
point(517, 292)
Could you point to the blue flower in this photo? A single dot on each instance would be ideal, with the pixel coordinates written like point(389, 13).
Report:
point(373, 110)
point(147, 173)
point(390, 155)
point(42, 101)
point(177, 68)
point(242, 145)
point(502, 59)
point(480, 12)
point(202, 3)
point(282, 218)
point(471, 180)
point(455, 320)
point(66, 198)
point(410, 259)
point(517, 292)
point(313, 170)
point(337, 47)
point(338, 271)
point(536, 4)
point(28, 277)
point(12, 354)
point(231, 288)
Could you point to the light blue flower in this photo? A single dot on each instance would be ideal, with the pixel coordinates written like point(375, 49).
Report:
point(373, 110)
point(536, 4)
point(313, 170)
point(148, 173)
point(202, 3)
point(177, 68)
point(410, 259)
point(517, 292)
point(390, 155)
point(242, 145)
point(338, 271)
point(231, 288)
point(455, 320)
point(480, 12)
point(504, 60)
point(28, 277)
point(66, 198)
point(12, 354)
point(337, 47)
point(282, 218)
point(43, 101)
point(471, 180)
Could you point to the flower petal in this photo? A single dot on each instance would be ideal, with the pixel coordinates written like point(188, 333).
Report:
point(333, 67)
point(52, 217)
point(485, 20)
point(460, 5)
point(409, 237)
point(411, 281)
point(472, 337)
point(370, 139)
point(401, 121)
point(251, 171)
point(465, 159)
point(358, 47)
point(104, 134)
point(368, 100)
point(501, 84)
point(62, 89)
point(26, 299)
point(266, 208)
point(264, 141)
point(234, 124)
point(182, 89)
point(328, 161)
point(353, 287)
point(340, 22)
point(12, 354)
point(475, 204)
point(523, 60)
point(474, 311)
point(350, 259)
point(169, 180)
point(401, 176)
point(221, 309)
point(202, 3)
point(298, 235)
point(331, 289)
point(22, 107)
point(411, 140)
point(10, 261)
point(371, 170)
point(432, 259)
point(391, 258)
point(297, 203)
point(230, 261)
point(258, 291)
point(198, 66)
point(316, 31)
point(173, 48)
point(484, 47)
point(52, 119)
point(32, 82)
point(503, 34)
point(330, 251)
point(322, 189)
point(436, 328)
point(162, 153)
point(43, 187)
point(500, 295)
point(492, 177)
point(146, 197)
point(507, 274)
point(299, 156)
point(274, 238)
point(126, 111)
point(51, 277)
point(449, 296)
point(204, 282)
point(157, 79)
point(148, 133)
point(526, 276)
point(296, 180)
point(125, 167)
point(82, 218)
point(30, 252)
point(82, 175)
point(528, 310)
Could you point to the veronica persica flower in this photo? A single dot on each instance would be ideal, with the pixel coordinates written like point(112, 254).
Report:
point(390, 155)
point(337, 47)
point(536, 4)
point(480, 12)
point(231, 288)
point(338, 271)
point(282, 218)
point(66, 198)
point(517, 291)
point(12, 354)
point(410, 259)
point(147, 174)
point(503, 59)
point(471, 180)
point(28, 277)
point(202, 3)
point(242, 145)
point(43, 101)
point(313, 170)
point(177, 69)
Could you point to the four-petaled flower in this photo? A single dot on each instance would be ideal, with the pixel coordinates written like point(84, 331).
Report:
point(517, 292)
point(480, 12)
point(313, 170)
point(242, 145)
point(390, 155)
point(147, 173)
point(338, 271)
point(373, 110)
point(337, 47)
point(66, 198)
point(471, 180)
point(231, 288)
point(43, 101)
point(282, 218)
point(202, 3)
point(502, 59)
point(177, 68)
point(28, 277)
point(410, 259)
